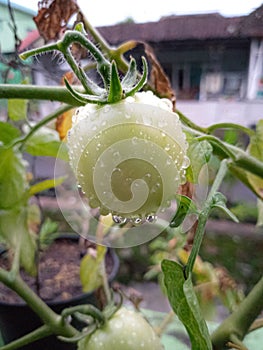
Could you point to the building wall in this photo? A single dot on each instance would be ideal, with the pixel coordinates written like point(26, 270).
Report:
point(205, 70)
point(24, 23)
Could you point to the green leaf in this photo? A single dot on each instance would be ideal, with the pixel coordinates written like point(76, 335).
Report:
point(242, 175)
point(48, 233)
point(13, 182)
point(45, 142)
point(8, 133)
point(90, 268)
point(184, 302)
point(45, 185)
point(17, 109)
point(255, 148)
point(115, 91)
point(131, 76)
point(14, 229)
point(185, 206)
point(199, 154)
point(219, 201)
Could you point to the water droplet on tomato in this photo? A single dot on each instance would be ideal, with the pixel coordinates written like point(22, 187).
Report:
point(137, 221)
point(119, 219)
point(151, 218)
point(186, 162)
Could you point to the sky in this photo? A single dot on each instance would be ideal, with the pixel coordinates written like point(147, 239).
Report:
point(107, 12)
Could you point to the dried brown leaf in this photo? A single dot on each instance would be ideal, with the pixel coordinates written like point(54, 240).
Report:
point(158, 78)
point(53, 17)
point(64, 123)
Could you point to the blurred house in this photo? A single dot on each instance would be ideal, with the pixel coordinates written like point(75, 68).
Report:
point(206, 56)
point(215, 63)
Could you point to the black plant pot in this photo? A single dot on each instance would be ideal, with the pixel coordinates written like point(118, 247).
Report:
point(17, 320)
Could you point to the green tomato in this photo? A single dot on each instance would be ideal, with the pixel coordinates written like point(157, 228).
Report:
point(129, 157)
point(126, 330)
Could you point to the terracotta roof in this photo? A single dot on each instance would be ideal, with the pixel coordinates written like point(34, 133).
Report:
point(186, 27)
point(206, 26)
point(252, 25)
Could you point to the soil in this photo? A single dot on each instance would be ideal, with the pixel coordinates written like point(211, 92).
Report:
point(58, 273)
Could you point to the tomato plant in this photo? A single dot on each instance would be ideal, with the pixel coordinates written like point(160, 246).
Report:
point(129, 153)
point(127, 330)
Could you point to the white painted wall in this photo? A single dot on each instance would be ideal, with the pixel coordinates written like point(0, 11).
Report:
point(205, 113)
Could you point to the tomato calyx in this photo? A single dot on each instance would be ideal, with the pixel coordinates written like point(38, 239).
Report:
point(115, 89)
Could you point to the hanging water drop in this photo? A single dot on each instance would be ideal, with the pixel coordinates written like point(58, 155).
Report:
point(137, 221)
point(119, 219)
point(151, 218)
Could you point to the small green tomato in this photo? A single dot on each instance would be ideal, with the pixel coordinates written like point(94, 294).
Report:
point(126, 330)
point(129, 157)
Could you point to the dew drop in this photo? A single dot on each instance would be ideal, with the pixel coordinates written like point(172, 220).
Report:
point(118, 324)
point(127, 116)
point(106, 109)
point(116, 154)
point(186, 162)
point(119, 219)
point(167, 147)
point(135, 140)
point(169, 161)
point(98, 146)
point(117, 171)
point(151, 218)
point(130, 99)
point(137, 221)
point(183, 179)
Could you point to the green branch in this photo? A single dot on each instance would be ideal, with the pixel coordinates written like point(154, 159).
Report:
point(40, 333)
point(239, 322)
point(42, 122)
point(238, 156)
point(233, 126)
point(33, 92)
point(203, 217)
point(54, 321)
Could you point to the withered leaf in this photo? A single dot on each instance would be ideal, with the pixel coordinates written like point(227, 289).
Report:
point(64, 123)
point(158, 78)
point(53, 17)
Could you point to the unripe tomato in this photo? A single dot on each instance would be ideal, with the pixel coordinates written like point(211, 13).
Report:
point(129, 157)
point(126, 330)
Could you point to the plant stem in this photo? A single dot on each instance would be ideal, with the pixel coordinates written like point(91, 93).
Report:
point(189, 123)
point(239, 157)
point(241, 319)
point(40, 333)
point(242, 128)
point(217, 142)
point(51, 93)
point(203, 217)
point(45, 313)
point(42, 122)
point(99, 40)
point(168, 319)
